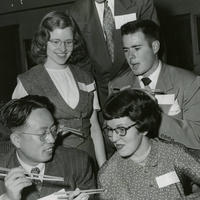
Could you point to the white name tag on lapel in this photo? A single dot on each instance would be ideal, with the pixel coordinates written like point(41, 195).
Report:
point(86, 88)
point(53, 196)
point(123, 19)
point(167, 179)
point(166, 99)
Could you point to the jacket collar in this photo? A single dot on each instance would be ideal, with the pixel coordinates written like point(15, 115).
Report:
point(164, 82)
point(126, 3)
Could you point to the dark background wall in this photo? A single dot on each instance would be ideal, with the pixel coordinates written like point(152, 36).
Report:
point(20, 18)
point(179, 17)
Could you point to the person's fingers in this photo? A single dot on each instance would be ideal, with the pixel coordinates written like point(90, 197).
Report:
point(62, 197)
point(14, 186)
point(75, 193)
point(14, 177)
point(16, 180)
point(15, 172)
point(82, 196)
point(19, 182)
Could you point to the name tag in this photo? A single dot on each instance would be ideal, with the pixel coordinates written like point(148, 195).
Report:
point(87, 88)
point(123, 19)
point(166, 99)
point(167, 179)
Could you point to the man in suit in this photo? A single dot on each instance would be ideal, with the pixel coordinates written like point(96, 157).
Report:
point(89, 16)
point(177, 90)
point(34, 132)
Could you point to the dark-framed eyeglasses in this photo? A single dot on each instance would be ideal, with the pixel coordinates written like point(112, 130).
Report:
point(53, 131)
point(57, 43)
point(121, 131)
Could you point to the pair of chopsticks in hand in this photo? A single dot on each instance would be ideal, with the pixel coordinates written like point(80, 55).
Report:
point(4, 172)
point(33, 176)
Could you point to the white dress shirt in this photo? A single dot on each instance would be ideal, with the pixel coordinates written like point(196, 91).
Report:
point(154, 77)
point(28, 167)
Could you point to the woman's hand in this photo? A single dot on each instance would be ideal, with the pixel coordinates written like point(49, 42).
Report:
point(15, 182)
point(75, 195)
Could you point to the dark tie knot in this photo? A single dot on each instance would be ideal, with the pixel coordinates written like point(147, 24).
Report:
point(35, 170)
point(146, 81)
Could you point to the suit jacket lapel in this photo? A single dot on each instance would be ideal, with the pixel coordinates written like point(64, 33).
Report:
point(164, 82)
point(50, 187)
point(96, 25)
point(94, 20)
point(54, 167)
point(122, 6)
point(136, 83)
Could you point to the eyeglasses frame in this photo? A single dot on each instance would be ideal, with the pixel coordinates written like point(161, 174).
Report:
point(58, 45)
point(115, 129)
point(43, 137)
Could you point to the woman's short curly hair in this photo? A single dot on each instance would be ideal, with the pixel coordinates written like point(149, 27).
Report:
point(50, 22)
point(139, 106)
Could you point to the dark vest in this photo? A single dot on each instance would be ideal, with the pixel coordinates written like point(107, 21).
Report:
point(37, 81)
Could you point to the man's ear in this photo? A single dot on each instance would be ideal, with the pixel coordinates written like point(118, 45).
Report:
point(156, 46)
point(15, 139)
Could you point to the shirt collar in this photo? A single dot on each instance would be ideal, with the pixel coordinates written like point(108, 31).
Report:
point(154, 77)
point(28, 167)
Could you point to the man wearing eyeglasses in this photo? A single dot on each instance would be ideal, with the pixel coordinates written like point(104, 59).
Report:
point(34, 133)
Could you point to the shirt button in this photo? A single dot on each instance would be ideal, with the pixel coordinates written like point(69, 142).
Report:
point(150, 185)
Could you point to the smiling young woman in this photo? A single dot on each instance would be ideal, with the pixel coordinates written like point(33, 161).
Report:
point(58, 47)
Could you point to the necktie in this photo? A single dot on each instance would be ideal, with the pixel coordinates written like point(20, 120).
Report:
point(37, 183)
point(109, 27)
point(146, 81)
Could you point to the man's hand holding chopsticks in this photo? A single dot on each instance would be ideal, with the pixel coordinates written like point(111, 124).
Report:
point(15, 182)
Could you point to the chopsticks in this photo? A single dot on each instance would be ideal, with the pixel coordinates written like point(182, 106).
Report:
point(34, 176)
point(90, 191)
point(64, 130)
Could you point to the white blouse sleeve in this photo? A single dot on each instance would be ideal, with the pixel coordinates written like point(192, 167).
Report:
point(19, 91)
point(96, 105)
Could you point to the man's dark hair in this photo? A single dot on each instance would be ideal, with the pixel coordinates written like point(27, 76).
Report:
point(149, 28)
point(15, 113)
point(139, 106)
